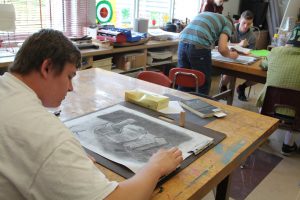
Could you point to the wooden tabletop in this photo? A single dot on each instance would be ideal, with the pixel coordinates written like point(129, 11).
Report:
point(246, 131)
point(252, 72)
point(6, 61)
point(253, 68)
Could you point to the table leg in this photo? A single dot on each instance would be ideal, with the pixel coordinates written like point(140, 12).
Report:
point(223, 188)
point(231, 87)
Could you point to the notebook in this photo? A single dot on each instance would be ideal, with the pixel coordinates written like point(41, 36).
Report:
point(241, 59)
point(198, 107)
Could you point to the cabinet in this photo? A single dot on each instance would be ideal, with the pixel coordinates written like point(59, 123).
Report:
point(129, 59)
point(103, 58)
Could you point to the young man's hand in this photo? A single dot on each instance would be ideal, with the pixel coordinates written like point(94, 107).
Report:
point(166, 160)
point(233, 55)
point(142, 184)
point(244, 43)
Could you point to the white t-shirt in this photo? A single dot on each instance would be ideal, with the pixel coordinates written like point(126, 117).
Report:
point(39, 156)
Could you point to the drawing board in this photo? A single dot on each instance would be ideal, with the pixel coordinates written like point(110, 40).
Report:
point(129, 137)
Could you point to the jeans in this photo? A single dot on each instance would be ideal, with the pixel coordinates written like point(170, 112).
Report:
point(195, 58)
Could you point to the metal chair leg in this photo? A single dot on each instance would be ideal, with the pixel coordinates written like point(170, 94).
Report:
point(220, 83)
point(249, 91)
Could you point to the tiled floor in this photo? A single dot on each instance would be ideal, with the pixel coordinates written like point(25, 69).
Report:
point(283, 182)
point(256, 168)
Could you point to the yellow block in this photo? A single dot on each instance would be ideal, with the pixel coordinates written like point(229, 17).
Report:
point(147, 99)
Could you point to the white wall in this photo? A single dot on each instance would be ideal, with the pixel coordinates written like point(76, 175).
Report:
point(231, 7)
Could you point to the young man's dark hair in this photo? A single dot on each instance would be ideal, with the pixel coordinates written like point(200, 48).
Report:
point(43, 45)
point(247, 14)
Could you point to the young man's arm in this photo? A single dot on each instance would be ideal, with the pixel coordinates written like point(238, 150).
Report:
point(223, 47)
point(143, 183)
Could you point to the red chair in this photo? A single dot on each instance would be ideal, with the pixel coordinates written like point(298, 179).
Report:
point(155, 77)
point(187, 78)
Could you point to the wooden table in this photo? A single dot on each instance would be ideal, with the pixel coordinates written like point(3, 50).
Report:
point(246, 131)
point(252, 72)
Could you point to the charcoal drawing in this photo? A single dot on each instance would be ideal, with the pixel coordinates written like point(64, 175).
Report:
point(130, 137)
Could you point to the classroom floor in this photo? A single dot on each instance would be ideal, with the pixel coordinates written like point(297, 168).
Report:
point(267, 173)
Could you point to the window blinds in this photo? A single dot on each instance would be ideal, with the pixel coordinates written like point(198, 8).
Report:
point(68, 16)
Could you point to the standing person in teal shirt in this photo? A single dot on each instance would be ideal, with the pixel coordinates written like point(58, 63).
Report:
point(244, 37)
point(197, 40)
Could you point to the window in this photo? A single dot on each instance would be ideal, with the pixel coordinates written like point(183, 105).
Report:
point(157, 11)
point(71, 16)
point(186, 9)
point(75, 16)
point(68, 16)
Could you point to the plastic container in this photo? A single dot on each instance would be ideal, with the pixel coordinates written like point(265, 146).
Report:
point(282, 39)
point(275, 40)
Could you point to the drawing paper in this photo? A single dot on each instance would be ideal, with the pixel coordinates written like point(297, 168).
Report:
point(129, 137)
point(241, 59)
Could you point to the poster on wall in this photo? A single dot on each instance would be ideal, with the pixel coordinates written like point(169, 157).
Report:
point(105, 11)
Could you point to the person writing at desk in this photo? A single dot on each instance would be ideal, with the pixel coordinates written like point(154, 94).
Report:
point(197, 40)
point(244, 37)
point(283, 65)
point(40, 158)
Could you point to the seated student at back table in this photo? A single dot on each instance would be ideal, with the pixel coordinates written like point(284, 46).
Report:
point(215, 6)
point(40, 158)
point(197, 40)
point(283, 64)
point(244, 37)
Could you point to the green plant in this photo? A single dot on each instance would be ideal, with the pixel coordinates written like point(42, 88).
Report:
point(125, 13)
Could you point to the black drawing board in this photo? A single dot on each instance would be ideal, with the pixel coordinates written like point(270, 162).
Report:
point(127, 173)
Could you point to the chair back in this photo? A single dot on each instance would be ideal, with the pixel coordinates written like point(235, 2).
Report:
point(187, 78)
point(282, 97)
point(155, 77)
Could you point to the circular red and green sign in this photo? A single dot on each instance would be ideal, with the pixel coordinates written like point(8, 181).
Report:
point(104, 11)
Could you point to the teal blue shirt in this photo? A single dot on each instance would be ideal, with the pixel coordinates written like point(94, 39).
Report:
point(205, 29)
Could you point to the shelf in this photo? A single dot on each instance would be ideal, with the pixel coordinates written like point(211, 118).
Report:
point(120, 71)
point(161, 63)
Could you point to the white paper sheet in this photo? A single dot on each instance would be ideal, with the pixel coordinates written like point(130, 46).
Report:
point(241, 59)
point(240, 49)
point(159, 34)
point(173, 108)
point(4, 53)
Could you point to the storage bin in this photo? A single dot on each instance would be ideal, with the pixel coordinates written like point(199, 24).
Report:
point(105, 63)
point(130, 61)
